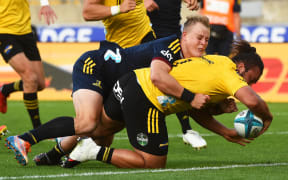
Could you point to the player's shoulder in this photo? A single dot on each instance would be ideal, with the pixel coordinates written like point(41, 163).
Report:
point(219, 59)
point(108, 44)
point(172, 38)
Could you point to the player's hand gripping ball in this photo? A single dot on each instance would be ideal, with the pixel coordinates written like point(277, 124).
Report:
point(247, 124)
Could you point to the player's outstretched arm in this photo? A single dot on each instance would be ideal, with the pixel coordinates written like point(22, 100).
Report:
point(226, 106)
point(206, 120)
point(46, 11)
point(256, 104)
point(161, 78)
point(95, 10)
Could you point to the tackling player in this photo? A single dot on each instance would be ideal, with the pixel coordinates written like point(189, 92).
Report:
point(95, 72)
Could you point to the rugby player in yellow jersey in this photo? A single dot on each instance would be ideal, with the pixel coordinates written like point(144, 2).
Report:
point(18, 48)
point(165, 18)
point(126, 22)
point(141, 107)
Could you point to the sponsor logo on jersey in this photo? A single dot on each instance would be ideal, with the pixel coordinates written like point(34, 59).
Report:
point(142, 139)
point(117, 90)
point(115, 56)
point(173, 48)
point(167, 54)
point(164, 100)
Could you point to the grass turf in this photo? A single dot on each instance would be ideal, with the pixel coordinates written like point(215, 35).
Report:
point(264, 158)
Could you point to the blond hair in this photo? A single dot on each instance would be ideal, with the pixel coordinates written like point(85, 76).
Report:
point(192, 20)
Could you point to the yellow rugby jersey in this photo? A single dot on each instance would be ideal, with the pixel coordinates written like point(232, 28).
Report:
point(127, 29)
point(15, 17)
point(212, 75)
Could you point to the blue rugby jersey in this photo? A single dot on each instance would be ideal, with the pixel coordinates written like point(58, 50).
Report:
point(110, 61)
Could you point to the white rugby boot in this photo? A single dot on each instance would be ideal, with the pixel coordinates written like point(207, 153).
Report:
point(85, 150)
point(194, 139)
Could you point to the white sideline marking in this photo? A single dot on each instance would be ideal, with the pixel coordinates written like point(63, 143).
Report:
point(143, 171)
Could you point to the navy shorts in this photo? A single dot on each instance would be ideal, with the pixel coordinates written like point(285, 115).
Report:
point(87, 75)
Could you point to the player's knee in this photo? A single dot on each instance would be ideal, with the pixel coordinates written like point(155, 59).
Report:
point(29, 80)
point(138, 162)
point(85, 125)
point(41, 84)
point(154, 166)
point(144, 162)
point(154, 161)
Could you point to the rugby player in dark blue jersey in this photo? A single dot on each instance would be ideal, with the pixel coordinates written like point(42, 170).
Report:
point(94, 74)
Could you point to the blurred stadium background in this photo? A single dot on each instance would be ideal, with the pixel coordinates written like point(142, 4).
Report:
point(264, 23)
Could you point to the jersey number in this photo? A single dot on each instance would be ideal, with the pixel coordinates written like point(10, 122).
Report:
point(114, 56)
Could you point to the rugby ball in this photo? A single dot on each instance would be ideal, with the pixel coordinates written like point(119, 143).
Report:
point(247, 124)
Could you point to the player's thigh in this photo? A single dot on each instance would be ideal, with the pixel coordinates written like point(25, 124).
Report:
point(87, 93)
point(21, 64)
point(88, 106)
point(107, 126)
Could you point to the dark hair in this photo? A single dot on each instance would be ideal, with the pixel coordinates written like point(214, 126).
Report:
point(242, 51)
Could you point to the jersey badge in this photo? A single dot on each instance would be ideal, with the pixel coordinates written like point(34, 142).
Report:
point(8, 49)
point(142, 139)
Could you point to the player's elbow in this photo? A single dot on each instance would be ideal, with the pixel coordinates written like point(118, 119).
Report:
point(86, 14)
point(252, 104)
point(156, 79)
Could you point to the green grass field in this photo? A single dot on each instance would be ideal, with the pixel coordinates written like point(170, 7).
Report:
point(265, 158)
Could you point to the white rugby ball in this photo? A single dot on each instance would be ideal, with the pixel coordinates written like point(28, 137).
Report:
point(247, 124)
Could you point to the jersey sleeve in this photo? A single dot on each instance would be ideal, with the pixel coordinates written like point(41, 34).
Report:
point(168, 50)
point(109, 45)
point(233, 82)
